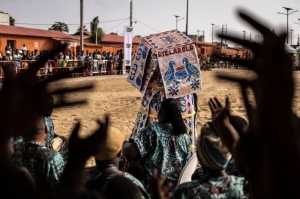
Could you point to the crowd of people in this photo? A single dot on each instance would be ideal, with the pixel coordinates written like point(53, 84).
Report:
point(239, 159)
point(22, 58)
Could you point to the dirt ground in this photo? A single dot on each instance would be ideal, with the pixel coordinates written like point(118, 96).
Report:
point(113, 95)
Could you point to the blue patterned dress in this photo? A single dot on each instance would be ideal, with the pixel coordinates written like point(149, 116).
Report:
point(50, 135)
point(151, 102)
point(160, 149)
point(45, 165)
point(214, 188)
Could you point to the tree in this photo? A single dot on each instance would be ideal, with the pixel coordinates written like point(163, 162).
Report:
point(84, 28)
point(138, 36)
point(94, 24)
point(11, 21)
point(113, 33)
point(59, 26)
point(100, 35)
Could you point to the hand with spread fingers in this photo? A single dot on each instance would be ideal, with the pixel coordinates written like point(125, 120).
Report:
point(80, 150)
point(22, 96)
point(221, 123)
point(269, 144)
point(22, 100)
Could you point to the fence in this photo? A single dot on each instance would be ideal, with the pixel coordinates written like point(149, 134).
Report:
point(94, 67)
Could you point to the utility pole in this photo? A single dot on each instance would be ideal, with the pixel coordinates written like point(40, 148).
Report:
point(244, 35)
point(212, 36)
point(225, 39)
point(298, 42)
point(222, 39)
point(176, 16)
point(291, 36)
point(198, 35)
point(287, 21)
point(81, 25)
point(131, 11)
point(187, 17)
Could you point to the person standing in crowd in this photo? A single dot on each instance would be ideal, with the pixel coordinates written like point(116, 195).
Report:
point(7, 56)
point(164, 146)
point(215, 183)
point(81, 58)
point(23, 48)
point(120, 61)
point(8, 48)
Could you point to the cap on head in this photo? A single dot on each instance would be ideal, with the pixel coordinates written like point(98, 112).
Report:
point(212, 152)
point(113, 144)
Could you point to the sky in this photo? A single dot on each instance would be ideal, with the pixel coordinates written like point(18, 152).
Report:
point(157, 15)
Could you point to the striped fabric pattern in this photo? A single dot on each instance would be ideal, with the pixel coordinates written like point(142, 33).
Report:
point(212, 152)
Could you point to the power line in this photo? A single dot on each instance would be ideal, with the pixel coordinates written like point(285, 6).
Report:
point(147, 25)
point(117, 25)
point(67, 24)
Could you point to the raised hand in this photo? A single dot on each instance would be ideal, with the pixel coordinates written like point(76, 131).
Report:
point(80, 150)
point(90, 146)
point(269, 145)
point(22, 97)
point(219, 114)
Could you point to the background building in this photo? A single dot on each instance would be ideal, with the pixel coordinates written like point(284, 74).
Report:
point(4, 18)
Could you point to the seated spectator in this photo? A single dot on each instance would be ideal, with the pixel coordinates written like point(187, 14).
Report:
point(53, 141)
point(164, 146)
point(44, 164)
point(107, 163)
point(214, 157)
point(239, 124)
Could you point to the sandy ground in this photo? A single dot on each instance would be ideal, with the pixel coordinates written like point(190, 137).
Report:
point(112, 94)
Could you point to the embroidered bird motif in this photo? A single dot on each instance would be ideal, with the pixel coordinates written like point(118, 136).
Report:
point(169, 75)
point(192, 70)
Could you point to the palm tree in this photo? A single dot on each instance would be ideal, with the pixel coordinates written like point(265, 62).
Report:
point(94, 24)
point(59, 26)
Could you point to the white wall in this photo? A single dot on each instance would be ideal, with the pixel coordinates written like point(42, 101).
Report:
point(4, 18)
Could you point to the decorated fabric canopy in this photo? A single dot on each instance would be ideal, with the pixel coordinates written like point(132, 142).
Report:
point(177, 61)
point(166, 66)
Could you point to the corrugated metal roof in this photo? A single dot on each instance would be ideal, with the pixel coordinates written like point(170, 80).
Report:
point(32, 32)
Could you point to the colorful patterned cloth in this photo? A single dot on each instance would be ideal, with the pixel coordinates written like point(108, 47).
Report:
point(137, 70)
point(151, 103)
point(45, 165)
point(230, 170)
point(180, 70)
point(50, 135)
point(213, 188)
point(102, 185)
point(161, 150)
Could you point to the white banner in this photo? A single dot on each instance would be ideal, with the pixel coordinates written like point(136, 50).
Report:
point(128, 34)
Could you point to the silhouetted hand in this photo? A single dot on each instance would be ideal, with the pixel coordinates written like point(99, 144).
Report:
point(268, 146)
point(73, 178)
point(90, 146)
point(22, 97)
point(219, 114)
point(159, 189)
